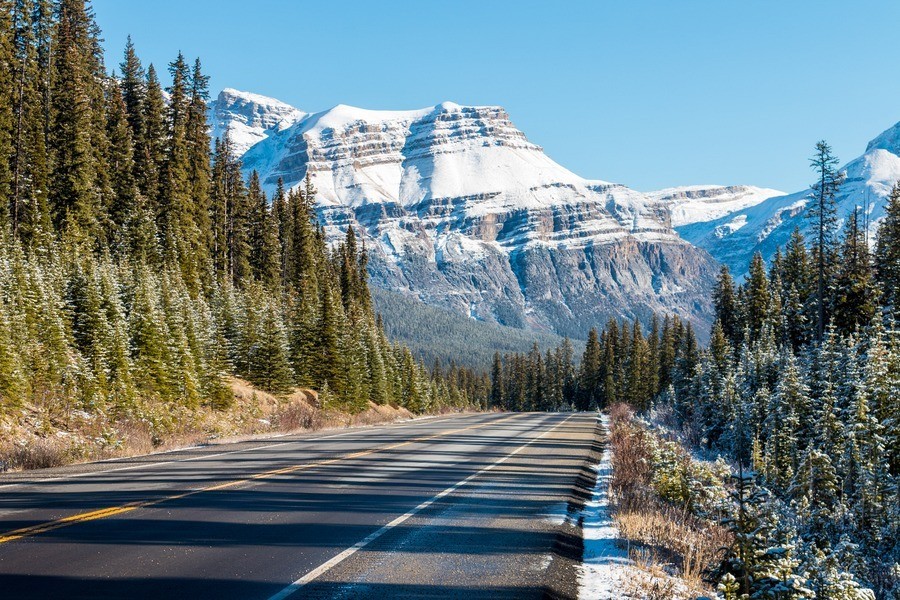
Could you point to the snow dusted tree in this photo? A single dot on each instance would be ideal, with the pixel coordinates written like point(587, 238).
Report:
point(824, 220)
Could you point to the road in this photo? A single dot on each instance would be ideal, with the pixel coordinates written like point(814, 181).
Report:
point(463, 506)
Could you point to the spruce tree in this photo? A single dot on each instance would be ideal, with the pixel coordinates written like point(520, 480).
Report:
point(854, 295)
point(120, 161)
point(150, 146)
point(588, 380)
point(724, 303)
point(76, 136)
point(498, 384)
point(824, 220)
point(887, 253)
point(756, 298)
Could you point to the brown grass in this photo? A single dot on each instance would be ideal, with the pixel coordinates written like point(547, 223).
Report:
point(45, 436)
point(663, 534)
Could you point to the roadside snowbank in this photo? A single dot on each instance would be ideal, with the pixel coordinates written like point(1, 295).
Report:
point(604, 564)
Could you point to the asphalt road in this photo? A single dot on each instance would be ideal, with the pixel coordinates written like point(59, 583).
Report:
point(467, 506)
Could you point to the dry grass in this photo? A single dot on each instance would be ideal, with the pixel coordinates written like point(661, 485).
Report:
point(690, 546)
point(46, 436)
point(664, 536)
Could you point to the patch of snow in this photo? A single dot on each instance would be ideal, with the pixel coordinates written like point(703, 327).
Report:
point(604, 564)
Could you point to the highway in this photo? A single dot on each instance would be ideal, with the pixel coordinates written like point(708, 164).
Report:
point(468, 506)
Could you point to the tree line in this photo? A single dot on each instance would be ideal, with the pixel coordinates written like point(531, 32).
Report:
point(137, 264)
point(621, 363)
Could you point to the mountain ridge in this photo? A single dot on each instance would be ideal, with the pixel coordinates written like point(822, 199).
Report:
point(460, 210)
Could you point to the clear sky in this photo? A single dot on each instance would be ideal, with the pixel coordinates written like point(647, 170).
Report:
point(649, 94)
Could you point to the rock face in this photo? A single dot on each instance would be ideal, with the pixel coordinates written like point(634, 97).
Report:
point(736, 236)
point(248, 118)
point(459, 209)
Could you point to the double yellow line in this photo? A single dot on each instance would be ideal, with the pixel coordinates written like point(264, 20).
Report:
point(103, 513)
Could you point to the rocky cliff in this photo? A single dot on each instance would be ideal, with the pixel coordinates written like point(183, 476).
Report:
point(458, 208)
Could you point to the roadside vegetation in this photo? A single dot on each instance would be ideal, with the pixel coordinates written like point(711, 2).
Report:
point(668, 508)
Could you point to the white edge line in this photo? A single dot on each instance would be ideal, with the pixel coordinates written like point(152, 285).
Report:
point(151, 465)
point(336, 560)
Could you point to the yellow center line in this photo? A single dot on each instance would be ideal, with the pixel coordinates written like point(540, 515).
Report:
point(103, 513)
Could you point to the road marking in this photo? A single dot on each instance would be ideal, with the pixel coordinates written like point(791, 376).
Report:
point(149, 465)
point(18, 534)
point(338, 559)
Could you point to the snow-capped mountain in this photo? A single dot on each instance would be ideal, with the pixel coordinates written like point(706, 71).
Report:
point(248, 118)
point(735, 237)
point(460, 209)
point(701, 203)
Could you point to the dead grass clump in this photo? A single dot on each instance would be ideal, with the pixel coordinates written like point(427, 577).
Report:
point(688, 543)
point(632, 464)
point(39, 453)
point(649, 579)
point(297, 415)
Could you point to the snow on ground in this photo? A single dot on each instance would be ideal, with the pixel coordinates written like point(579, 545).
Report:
point(604, 564)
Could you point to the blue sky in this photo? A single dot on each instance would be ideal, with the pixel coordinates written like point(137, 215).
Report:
point(649, 94)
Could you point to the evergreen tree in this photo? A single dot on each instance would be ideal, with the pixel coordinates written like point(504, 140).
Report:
point(822, 215)
point(588, 380)
point(150, 146)
point(77, 142)
point(120, 161)
point(498, 384)
point(756, 298)
point(887, 252)
point(724, 303)
point(854, 295)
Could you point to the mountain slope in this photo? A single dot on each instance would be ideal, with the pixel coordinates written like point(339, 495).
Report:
point(459, 209)
point(735, 237)
point(437, 334)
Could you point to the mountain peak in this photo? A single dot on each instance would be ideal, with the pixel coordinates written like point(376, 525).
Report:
point(888, 139)
point(249, 118)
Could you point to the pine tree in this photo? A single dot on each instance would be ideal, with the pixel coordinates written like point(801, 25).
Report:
point(789, 400)
point(822, 215)
point(199, 175)
point(120, 161)
point(150, 146)
point(498, 384)
point(588, 379)
point(854, 294)
point(268, 365)
point(724, 303)
point(797, 291)
point(25, 183)
point(133, 86)
point(887, 252)
point(757, 299)
point(7, 96)
point(76, 140)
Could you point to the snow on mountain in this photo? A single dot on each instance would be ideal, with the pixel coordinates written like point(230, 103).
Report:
point(460, 209)
point(735, 237)
point(248, 118)
point(701, 203)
